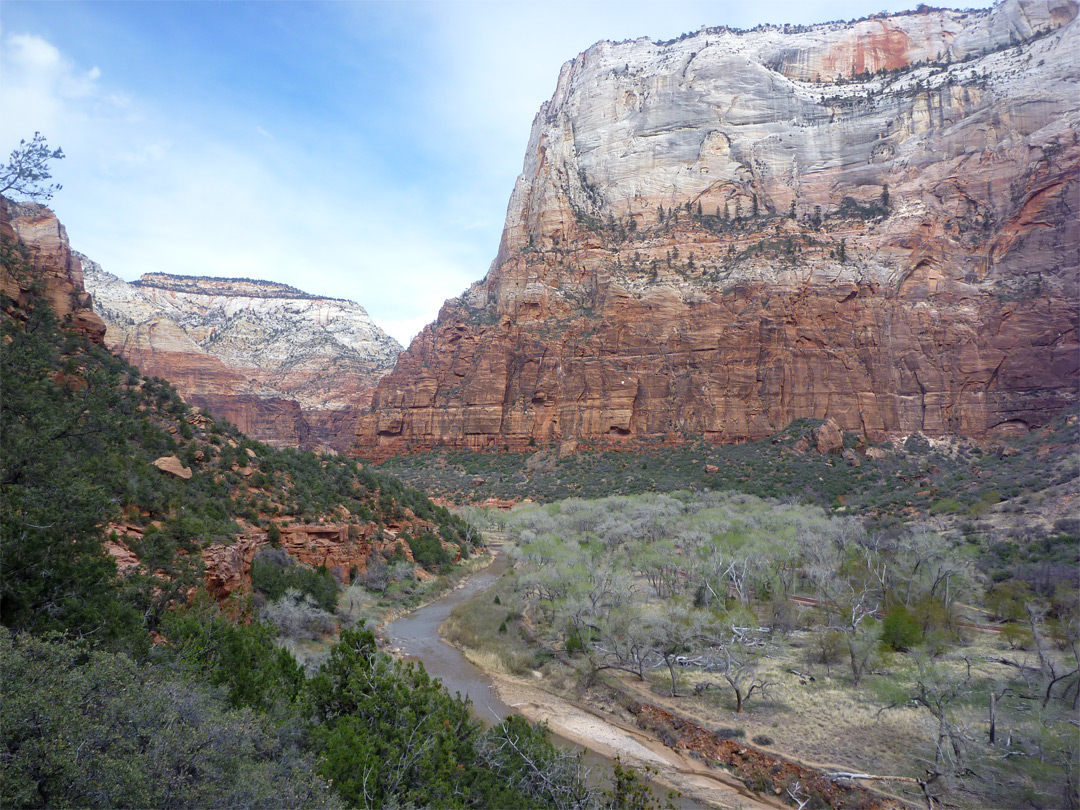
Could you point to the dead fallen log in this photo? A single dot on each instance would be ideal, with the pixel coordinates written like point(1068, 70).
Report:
point(870, 777)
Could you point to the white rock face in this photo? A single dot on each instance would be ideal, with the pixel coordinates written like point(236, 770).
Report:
point(776, 116)
point(236, 336)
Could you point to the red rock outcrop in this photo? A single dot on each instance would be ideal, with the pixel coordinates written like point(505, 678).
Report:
point(717, 235)
point(50, 262)
point(228, 567)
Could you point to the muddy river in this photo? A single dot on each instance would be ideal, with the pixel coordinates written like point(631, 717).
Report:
point(416, 637)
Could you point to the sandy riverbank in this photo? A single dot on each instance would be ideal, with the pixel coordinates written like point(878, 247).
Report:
point(610, 738)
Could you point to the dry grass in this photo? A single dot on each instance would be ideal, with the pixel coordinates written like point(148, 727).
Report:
point(828, 723)
point(823, 723)
point(489, 633)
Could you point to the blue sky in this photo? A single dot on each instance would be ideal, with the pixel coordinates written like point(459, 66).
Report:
point(363, 150)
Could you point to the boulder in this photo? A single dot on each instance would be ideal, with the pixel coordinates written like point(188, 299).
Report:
point(173, 466)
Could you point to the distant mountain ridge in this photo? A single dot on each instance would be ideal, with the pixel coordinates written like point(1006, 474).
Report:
point(224, 286)
point(285, 366)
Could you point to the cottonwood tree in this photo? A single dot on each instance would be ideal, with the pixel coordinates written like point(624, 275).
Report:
point(931, 576)
point(738, 665)
point(677, 629)
point(27, 170)
point(712, 566)
point(659, 564)
point(623, 642)
point(936, 691)
point(849, 589)
point(1054, 672)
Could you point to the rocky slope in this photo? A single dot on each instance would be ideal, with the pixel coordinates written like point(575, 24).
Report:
point(873, 222)
point(287, 368)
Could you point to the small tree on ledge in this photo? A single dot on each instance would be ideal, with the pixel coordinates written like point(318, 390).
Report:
point(27, 170)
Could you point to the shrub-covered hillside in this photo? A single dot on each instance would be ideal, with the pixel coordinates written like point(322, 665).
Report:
point(887, 484)
point(130, 686)
point(81, 430)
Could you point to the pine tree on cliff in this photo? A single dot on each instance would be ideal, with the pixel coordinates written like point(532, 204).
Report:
point(27, 170)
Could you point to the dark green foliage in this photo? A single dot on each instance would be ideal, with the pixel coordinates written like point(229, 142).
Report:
point(389, 735)
point(850, 208)
point(274, 573)
point(630, 791)
point(386, 730)
point(241, 658)
point(87, 728)
point(54, 442)
point(429, 552)
point(899, 629)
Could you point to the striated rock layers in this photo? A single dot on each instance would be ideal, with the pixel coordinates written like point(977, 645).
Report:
point(870, 222)
point(50, 262)
point(287, 368)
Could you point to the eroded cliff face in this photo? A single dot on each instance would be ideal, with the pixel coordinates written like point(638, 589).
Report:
point(287, 368)
point(871, 222)
point(50, 263)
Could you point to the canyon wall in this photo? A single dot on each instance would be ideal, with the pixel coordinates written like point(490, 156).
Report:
point(873, 222)
point(287, 368)
point(49, 262)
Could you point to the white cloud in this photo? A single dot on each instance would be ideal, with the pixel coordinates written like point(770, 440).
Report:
point(145, 191)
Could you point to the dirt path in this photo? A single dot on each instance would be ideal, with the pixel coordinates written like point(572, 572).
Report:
point(610, 738)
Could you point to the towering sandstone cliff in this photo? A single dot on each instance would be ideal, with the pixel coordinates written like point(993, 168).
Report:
point(287, 368)
point(874, 222)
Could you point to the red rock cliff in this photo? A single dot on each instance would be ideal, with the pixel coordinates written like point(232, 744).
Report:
point(871, 222)
point(49, 261)
point(287, 368)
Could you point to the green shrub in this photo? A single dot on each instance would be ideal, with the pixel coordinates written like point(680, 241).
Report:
point(899, 630)
point(1016, 636)
point(428, 551)
point(946, 506)
point(273, 573)
point(87, 728)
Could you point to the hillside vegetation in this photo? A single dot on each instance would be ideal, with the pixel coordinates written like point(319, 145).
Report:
point(137, 688)
point(913, 479)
